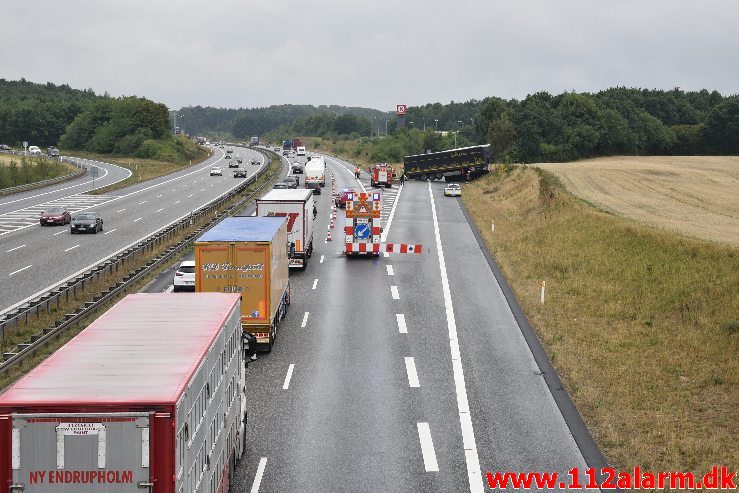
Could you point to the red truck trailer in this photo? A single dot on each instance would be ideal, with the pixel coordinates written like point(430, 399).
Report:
point(149, 397)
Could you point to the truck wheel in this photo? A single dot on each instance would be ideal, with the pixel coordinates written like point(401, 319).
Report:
point(310, 249)
point(389, 185)
point(305, 262)
point(424, 177)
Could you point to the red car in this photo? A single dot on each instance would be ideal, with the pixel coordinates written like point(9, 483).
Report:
point(55, 215)
point(341, 198)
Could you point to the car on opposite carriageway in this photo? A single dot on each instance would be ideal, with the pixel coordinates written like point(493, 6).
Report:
point(55, 215)
point(86, 222)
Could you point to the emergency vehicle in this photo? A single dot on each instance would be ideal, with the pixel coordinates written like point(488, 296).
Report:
point(381, 174)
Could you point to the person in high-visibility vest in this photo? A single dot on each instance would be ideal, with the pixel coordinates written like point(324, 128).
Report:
point(356, 172)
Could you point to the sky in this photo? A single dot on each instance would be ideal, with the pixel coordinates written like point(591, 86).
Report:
point(377, 53)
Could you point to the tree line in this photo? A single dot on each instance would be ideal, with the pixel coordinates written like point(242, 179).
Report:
point(570, 126)
point(38, 113)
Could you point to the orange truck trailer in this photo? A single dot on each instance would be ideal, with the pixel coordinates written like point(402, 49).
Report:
point(248, 256)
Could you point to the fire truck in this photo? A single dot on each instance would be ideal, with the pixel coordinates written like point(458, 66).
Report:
point(381, 174)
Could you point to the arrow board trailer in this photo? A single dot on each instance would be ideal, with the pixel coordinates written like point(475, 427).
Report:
point(297, 206)
point(315, 170)
point(149, 397)
point(363, 230)
point(454, 164)
point(249, 256)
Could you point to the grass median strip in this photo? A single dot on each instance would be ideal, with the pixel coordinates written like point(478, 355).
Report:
point(640, 323)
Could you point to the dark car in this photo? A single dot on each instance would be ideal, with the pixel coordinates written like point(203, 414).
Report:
point(254, 161)
point(280, 186)
point(86, 222)
point(297, 169)
point(233, 164)
point(240, 173)
point(239, 159)
point(314, 185)
point(227, 156)
point(55, 215)
point(291, 182)
point(4, 147)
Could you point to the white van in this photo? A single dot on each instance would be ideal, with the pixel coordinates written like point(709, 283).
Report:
point(34, 151)
point(301, 151)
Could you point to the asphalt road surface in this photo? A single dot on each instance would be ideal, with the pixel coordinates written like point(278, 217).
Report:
point(34, 258)
point(398, 373)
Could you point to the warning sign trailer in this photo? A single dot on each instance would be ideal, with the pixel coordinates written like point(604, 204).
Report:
point(363, 230)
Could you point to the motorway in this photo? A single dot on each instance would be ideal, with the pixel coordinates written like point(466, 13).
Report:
point(398, 373)
point(34, 258)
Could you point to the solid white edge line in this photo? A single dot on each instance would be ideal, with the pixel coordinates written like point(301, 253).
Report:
point(410, 369)
point(390, 270)
point(49, 288)
point(472, 459)
point(169, 289)
point(386, 229)
point(427, 448)
point(289, 376)
point(305, 320)
point(14, 249)
point(402, 327)
point(258, 478)
point(20, 270)
point(394, 292)
point(315, 283)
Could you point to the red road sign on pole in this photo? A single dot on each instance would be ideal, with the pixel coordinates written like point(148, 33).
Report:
point(401, 109)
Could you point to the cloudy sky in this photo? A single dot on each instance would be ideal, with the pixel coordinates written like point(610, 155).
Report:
point(374, 53)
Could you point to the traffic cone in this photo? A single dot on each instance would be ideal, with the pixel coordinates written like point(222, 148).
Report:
point(328, 238)
point(332, 224)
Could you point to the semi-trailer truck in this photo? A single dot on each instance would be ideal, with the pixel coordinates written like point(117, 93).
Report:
point(297, 206)
point(149, 397)
point(454, 164)
point(249, 256)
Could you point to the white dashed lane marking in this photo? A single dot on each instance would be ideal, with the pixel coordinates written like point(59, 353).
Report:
point(394, 292)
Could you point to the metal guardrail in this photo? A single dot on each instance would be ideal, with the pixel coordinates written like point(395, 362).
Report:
point(70, 286)
point(51, 181)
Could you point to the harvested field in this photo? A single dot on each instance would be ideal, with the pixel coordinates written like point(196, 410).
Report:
point(693, 195)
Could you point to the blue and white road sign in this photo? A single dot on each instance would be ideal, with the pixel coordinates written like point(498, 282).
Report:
point(362, 231)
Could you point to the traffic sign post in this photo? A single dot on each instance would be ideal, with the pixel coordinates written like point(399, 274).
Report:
point(25, 148)
point(94, 171)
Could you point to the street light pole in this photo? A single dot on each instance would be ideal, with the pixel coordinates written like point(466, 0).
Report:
point(436, 124)
point(386, 120)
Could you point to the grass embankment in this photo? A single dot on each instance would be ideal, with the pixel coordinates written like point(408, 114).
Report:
point(19, 170)
point(188, 153)
point(641, 324)
point(22, 334)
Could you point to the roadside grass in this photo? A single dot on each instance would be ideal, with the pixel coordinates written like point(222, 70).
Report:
point(20, 170)
point(640, 323)
point(358, 151)
point(21, 334)
point(143, 169)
